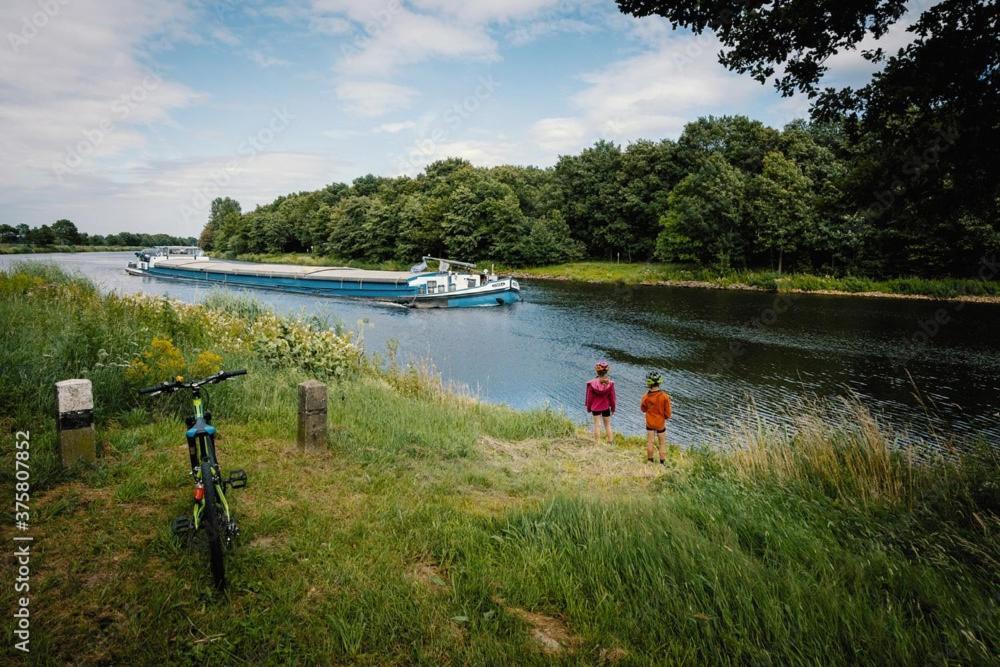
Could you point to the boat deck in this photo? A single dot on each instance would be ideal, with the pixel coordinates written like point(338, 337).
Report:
point(286, 270)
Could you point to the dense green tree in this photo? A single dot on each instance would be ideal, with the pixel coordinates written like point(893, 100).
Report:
point(924, 184)
point(65, 232)
point(8, 234)
point(741, 141)
point(705, 219)
point(548, 241)
point(781, 207)
point(729, 192)
point(41, 236)
point(649, 170)
point(223, 216)
point(591, 200)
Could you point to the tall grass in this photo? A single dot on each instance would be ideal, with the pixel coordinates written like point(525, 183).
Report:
point(852, 458)
point(440, 530)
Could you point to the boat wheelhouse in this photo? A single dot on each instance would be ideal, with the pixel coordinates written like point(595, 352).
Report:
point(454, 284)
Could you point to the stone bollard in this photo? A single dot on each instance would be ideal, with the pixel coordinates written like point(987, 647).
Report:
point(75, 421)
point(312, 414)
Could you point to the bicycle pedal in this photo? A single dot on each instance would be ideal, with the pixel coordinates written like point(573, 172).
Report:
point(182, 526)
point(237, 479)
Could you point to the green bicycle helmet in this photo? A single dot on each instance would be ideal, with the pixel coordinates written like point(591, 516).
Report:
point(653, 379)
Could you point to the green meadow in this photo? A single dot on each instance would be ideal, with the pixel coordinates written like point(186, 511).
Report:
point(437, 529)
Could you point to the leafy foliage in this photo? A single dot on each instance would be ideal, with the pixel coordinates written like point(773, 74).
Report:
point(65, 233)
point(729, 193)
point(919, 140)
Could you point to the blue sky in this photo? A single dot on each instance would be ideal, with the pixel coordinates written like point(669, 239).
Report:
point(124, 115)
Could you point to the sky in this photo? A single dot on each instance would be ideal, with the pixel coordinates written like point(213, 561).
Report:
point(126, 115)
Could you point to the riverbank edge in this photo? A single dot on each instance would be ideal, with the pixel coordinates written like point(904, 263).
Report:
point(19, 249)
point(631, 274)
point(705, 284)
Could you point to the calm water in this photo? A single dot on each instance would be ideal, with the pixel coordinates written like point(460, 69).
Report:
point(719, 350)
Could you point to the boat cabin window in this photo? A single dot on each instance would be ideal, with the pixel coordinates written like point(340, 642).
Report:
point(431, 286)
point(470, 282)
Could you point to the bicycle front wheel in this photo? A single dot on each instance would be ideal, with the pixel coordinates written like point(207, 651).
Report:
point(213, 521)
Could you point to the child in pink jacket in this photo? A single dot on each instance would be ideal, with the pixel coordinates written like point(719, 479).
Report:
point(601, 401)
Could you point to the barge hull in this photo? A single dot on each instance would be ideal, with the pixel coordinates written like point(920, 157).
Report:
point(346, 288)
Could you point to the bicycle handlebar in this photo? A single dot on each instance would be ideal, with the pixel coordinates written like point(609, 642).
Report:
point(174, 386)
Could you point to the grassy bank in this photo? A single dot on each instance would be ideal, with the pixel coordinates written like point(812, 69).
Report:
point(26, 249)
point(672, 274)
point(438, 530)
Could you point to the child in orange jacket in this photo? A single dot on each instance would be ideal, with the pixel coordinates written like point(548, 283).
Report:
point(656, 405)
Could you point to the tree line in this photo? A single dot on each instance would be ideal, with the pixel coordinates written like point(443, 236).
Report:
point(65, 232)
point(730, 192)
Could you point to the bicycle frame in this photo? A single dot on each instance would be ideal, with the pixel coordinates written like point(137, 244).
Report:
point(201, 447)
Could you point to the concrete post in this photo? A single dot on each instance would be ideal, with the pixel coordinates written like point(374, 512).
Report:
point(75, 421)
point(312, 414)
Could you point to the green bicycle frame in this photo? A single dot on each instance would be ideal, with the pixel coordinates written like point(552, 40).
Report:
point(201, 441)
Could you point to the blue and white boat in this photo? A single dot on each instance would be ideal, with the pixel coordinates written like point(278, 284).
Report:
point(454, 284)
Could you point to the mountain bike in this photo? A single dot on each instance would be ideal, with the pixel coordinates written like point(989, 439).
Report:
point(210, 511)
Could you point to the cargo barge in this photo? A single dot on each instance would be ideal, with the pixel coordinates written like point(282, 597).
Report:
point(453, 285)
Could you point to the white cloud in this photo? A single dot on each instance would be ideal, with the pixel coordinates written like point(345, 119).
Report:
point(183, 190)
point(652, 94)
point(395, 128)
point(330, 25)
point(560, 134)
point(484, 153)
point(393, 34)
point(264, 60)
point(225, 35)
point(406, 38)
point(77, 88)
point(174, 196)
point(374, 98)
point(340, 133)
point(529, 32)
point(484, 11)
point(850, 67)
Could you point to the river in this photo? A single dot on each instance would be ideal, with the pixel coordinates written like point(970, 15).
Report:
point(921, 366)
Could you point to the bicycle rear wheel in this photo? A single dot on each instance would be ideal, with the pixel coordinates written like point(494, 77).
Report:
point(213, 521)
